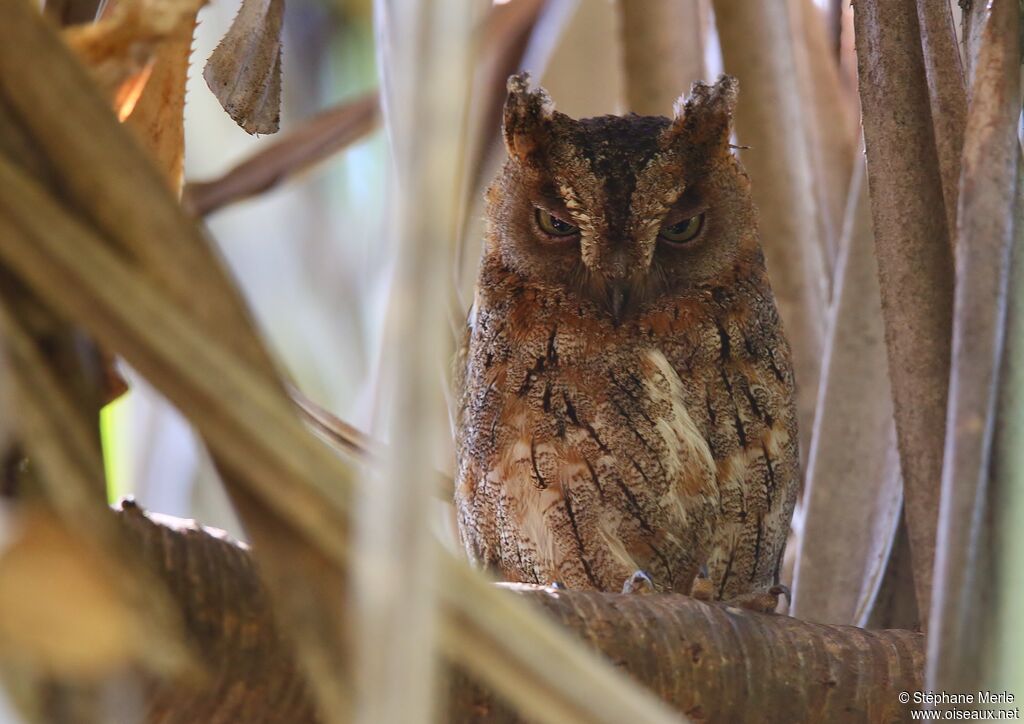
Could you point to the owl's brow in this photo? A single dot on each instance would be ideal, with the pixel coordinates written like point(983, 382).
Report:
point(688, 204)
point(578, 209)
point(652, 198)
point(549, 199)
point(575, 181)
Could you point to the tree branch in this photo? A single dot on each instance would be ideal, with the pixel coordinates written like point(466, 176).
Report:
point(311, 142)
point(712, 662)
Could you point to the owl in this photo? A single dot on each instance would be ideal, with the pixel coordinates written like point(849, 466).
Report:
point(625, 389)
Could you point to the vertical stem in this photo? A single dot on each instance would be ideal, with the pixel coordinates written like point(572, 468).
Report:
point(946, 93)
point(853, 492)
point(757, 44)
point(964, 565)
point(915, 266)
point(663, 47)
point(1006, 668)
point(831, 124)
point(424, 52)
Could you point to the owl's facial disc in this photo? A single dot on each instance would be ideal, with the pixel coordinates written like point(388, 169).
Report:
point(625, 213)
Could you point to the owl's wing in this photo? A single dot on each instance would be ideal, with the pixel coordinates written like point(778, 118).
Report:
point(458, 371)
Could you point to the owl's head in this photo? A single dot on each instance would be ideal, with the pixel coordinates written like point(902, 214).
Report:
point(622, 211)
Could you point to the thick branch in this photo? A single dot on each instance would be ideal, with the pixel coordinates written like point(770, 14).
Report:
point(712, 662)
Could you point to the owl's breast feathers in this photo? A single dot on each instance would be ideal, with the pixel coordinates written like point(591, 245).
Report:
point(587, 452)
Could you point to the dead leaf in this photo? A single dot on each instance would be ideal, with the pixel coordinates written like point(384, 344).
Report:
point(120, 48)
point(244, 70)
point(97, 635)
point(158, 118)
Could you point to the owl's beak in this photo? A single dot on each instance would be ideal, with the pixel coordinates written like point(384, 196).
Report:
point(618, 297)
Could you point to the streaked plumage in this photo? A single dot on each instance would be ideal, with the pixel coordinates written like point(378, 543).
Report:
point(626, 402)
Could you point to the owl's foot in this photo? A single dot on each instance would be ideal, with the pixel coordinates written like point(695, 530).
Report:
point(702, 589)
point(639, 582)
point(557, 585)
point(763, 601)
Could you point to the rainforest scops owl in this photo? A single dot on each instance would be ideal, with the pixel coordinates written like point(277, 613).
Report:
point(625, 389)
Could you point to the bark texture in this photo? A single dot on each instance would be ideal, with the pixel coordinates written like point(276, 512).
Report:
point(711, 662)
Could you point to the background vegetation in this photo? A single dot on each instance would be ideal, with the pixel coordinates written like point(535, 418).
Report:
point(255, 292)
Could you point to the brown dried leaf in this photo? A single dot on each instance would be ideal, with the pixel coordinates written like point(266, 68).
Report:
point(244, 70)
point(119, 49)
point(43, 567)
point(158, 118)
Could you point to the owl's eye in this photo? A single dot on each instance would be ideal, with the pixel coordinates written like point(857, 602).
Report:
point(683, 231)
point(553, 226)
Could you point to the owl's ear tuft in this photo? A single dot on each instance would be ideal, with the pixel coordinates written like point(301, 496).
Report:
point(527, 117)
point(703, 117)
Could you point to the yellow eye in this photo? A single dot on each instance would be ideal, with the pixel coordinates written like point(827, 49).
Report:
point(554, 226)
point(683, 231)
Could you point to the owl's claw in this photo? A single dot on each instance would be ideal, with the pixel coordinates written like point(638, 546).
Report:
point(781, 590)
point(702, 589)
point(762, 601)
point(639, 582)
point(557, 585)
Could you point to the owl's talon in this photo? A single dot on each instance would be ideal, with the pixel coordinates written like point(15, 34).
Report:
point(781, 590)
point(763, 601)
point(639, 583)
point(702, 588)
point(557, 585)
